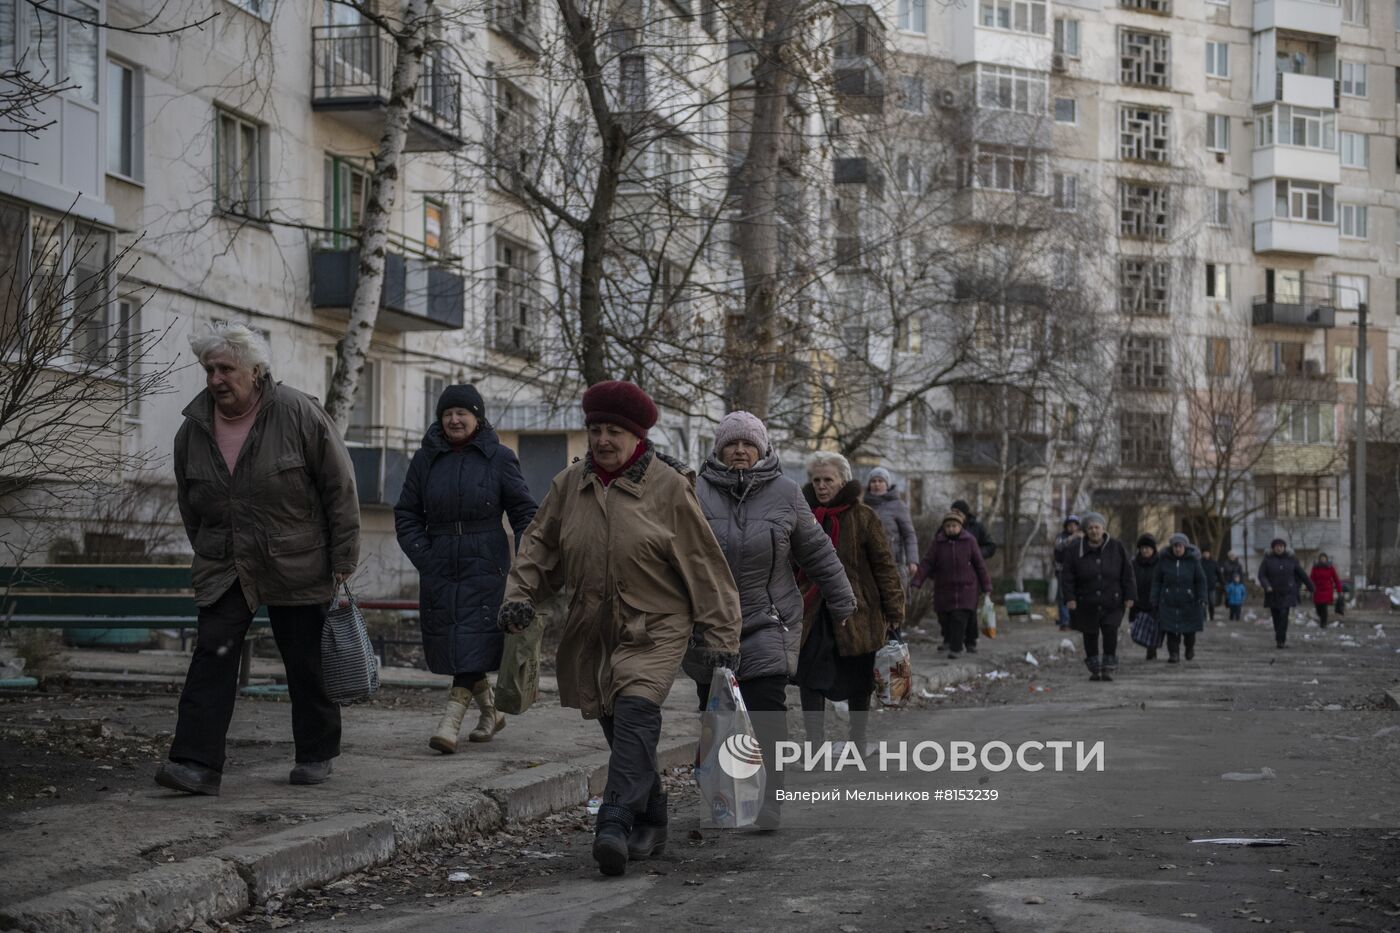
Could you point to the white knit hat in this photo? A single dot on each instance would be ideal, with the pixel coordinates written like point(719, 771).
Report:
point(741, 426)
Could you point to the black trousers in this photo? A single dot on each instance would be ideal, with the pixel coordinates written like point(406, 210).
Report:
point(1174, 640)
point(1102, 624)
point(468, 680)
point(1321, 614)
point(1280, 624)
point(766, 698)
point(206, 703)
point(632, 732)
point(1235, 613)
point(814, 713)
point(959, 628)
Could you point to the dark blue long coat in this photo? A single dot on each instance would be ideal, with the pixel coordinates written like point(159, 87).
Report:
point(462, 576)
point(1179, 592)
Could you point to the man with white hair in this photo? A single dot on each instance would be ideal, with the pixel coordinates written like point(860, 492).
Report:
point(267, 494)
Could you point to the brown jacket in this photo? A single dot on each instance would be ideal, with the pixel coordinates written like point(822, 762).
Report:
point(645, 571)
point(865, 553)
point(285, 520)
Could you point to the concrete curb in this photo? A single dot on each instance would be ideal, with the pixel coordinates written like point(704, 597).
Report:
point(232, 879)
point(1392, 699)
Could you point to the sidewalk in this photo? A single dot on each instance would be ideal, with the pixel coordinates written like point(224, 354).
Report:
point(137, 857)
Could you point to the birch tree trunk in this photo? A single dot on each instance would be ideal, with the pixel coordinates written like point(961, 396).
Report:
point(410, 42)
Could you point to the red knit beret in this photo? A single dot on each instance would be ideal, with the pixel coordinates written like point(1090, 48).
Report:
point(619, 403)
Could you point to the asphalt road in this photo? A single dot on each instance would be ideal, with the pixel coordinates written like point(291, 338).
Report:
point(1093, 852)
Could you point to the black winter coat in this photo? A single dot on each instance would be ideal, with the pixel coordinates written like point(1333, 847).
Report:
point(1143, 572)
point(1097, 579)
point(985, 544)
point(1179, 592)
point(1280, 575)
point(1211, 569)
point(462, 568)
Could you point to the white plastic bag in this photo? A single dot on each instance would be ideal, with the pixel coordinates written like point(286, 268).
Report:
point(728, 760)
point(988, 618)
point(894, 675)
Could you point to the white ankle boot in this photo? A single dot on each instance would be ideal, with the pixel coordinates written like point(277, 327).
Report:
point(490, 722)
point(445, 738)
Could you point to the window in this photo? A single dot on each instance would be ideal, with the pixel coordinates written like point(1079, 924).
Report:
point(1304, 200)
point(1217, 356)
point(1067, 37)
point(1066, 191)
point(1353, 77)
point(1348, 291)
point(59, 43)
point(1355, 151)
point(1217, 281)
point(1142, 438)
point(1356, 12)
point(1144, 134)
point(433, 387)
point(1306, 423)
point(1344, 360)
point(511, 141)
point(632, 83)
point(1016, 15)
point(1300, 496)
point(1143, 362)
point(1143, 286)
point(259, 8)
point(909, 173)
point(240, 160)
point(1064, 268)
point(346, 189)
point(1218, 207)
point(1217, 132)
point(1160, 7)
point(1001, 88)
point(911, 16)
point(124, 121)
point(1218, 59)
point(512, 317)
point(1142, 209)
point(1144, 58)
point(1353, 220)
point(911, 93)
point(434, 226)
point(1288, 357)
point(365, 416)
point(1005, 169)
point(1066, 110)
point(1296, 126)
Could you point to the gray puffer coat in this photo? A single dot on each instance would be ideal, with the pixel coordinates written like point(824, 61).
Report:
point(763, 525)
point(899, 530)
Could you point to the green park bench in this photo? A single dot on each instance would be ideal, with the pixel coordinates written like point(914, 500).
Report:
point(88, 600)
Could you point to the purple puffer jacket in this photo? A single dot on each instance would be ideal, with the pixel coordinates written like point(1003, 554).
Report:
point(958, 572)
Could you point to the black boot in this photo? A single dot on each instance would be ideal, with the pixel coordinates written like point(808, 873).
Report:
point(1095, 665)
point(1173, 658)
point(1190, 652)
point(648, 836)
point(610, 839)
point(1151, 654)
point(189, 778)
point(1110, 664)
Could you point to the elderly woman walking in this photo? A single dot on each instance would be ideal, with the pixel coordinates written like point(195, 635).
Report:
point(1099, 588)
point(764, 526)
point(954, 563)
point(1326, 587)
point(623, 531)
point(837, 658)
point(267, 495)
point(459, 485)
point(881, 496)
point(1180, 590)
point(1280, 575)
point(1144, 570)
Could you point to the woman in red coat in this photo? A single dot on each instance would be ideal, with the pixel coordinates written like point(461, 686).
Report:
point(1325, 586)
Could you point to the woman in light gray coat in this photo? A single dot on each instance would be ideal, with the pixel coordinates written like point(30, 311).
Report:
point(764, 526)
point(880, 495)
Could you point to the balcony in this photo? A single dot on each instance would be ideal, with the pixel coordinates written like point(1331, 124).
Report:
point(380, 456)
point(514, 20)
point(1309, 385)
point(1289, 459)
point(1273, 311)
point(982, 450)
point(993, 207)
point(985, 126)
point(857, 66)
point(1314, 17)
point(1323, 165)
point(1315, 91)
point(1305, 237)
point(420, 293)
point(352, 73)
point(974, 42)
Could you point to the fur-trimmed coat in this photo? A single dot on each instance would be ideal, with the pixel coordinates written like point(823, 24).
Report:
point(865, 553)
point(645, 571)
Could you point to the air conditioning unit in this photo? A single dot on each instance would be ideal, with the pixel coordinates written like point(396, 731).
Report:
point(947, 99)
point(1058, 62)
